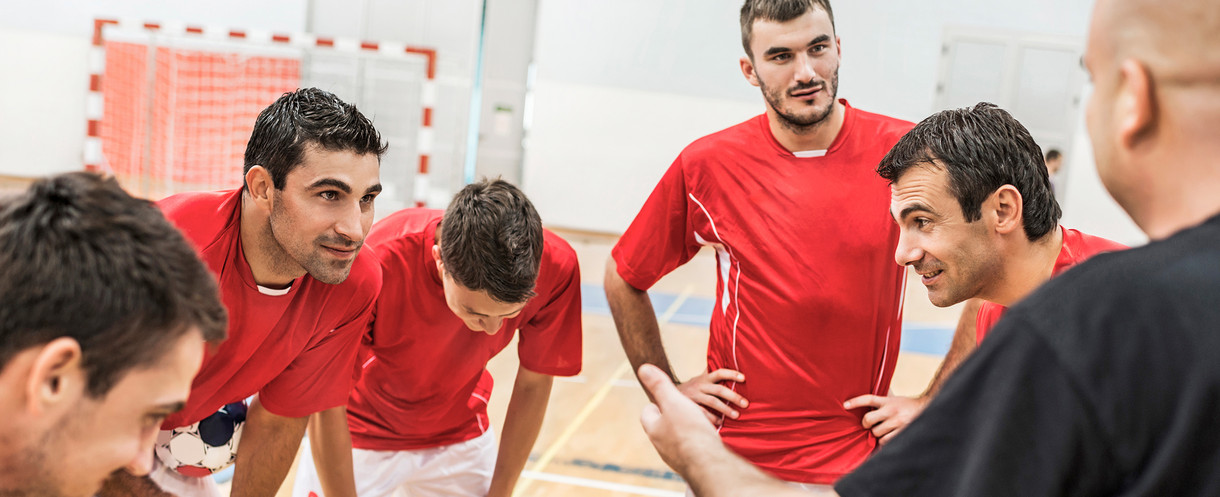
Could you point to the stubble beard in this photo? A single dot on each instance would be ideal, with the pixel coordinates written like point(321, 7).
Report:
point(798, 124)
point(290, 255)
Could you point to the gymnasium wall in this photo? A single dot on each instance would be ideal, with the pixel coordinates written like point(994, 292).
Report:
point(618, 87)
point(622, 86)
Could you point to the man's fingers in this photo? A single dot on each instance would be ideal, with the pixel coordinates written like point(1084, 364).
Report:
point(658, 384)
point(726, 394)
point(724, 374)
point(714, 403)
point(875, 417)
point(864, 401)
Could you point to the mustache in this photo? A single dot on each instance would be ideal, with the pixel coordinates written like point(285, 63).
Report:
point(927, 267)
point(340, 242)
point(812, 85)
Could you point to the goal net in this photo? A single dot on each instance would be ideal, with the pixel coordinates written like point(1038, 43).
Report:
point(172, 106)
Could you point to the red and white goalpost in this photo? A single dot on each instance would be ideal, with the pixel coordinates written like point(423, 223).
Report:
point(171, 105)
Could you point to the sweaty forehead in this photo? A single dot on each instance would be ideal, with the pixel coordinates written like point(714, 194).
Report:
point(924, 186)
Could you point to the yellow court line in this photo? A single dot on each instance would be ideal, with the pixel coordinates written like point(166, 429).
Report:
point(596, 400)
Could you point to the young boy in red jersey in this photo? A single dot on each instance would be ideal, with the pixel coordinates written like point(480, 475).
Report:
point(286, 251)
point(457, 288)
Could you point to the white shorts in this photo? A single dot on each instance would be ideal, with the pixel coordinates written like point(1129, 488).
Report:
point(181, 485)
point(461, 469)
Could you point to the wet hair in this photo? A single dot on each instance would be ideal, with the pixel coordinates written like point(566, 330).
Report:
point(981, 148)
point(80, 258)
point(491, 240)
point(777, 11)
point(307, 117)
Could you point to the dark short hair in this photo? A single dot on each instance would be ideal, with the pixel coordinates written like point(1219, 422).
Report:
point(1053, 154)
point(981, 149)
point(308, 116)
point(80, 258)
point(491, 240)
point(777, 11)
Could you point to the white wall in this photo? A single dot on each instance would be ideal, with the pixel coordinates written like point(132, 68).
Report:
point(623, 85)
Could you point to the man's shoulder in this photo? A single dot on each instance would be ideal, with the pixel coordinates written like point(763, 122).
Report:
point(1123, 286)
point(401, 225)
point(558, 255)
point(880, 124)
point(746, 133)
point(202, 216)
point(1088, 245)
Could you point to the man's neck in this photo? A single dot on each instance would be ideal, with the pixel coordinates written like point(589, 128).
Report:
point(270, 265)
point(816, 137)
point(1029, 265)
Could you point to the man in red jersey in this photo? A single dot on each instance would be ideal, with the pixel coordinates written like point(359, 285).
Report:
point(286, 251)
point(457, 288)
point(809, 300)
point(973, 200)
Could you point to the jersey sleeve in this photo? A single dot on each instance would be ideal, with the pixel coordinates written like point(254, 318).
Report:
point(1012, 421)
point(661, 237)
point(550, 343)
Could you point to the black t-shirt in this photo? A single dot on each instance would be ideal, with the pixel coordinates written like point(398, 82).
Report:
point(1105, 381)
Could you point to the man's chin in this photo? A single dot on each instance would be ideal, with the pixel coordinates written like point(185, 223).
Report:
point(333, 274)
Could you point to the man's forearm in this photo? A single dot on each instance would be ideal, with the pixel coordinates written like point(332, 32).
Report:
point(523, 421)
point(636, 322)
point(964, 342)
point(268, 445)
point(715, 471)
point(330, 444)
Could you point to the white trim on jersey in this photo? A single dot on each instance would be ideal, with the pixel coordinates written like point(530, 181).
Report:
point(726, 264)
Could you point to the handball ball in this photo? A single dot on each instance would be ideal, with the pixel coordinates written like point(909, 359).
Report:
point(205, 447)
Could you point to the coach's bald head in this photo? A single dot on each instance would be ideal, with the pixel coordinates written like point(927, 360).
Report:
point(1155, 107)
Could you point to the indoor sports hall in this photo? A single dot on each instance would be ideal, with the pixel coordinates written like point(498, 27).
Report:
point(582, 103)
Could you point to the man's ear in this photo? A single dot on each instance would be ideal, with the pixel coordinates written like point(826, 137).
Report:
point(260, 186)
point(436, 256)
point(1007, 206)
point(56, 378)
point(747, 70)
point(1135, 108)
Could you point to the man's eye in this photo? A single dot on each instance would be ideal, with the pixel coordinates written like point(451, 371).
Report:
point(329, 195)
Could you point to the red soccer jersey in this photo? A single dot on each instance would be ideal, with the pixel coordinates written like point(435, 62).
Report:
point(1077, 247)
point(424, 381)
point(809, 297)
point(295, 350)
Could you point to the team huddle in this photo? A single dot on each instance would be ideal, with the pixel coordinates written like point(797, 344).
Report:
point(147, 346)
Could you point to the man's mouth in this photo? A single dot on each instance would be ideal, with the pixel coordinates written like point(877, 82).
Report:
point(930, 276)
point(805, 93)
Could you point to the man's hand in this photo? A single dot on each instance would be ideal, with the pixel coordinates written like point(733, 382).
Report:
point(677, 427)
point(889, 415)
point(707, 391)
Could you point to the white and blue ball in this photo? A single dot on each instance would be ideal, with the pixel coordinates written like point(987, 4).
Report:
point(205, 447)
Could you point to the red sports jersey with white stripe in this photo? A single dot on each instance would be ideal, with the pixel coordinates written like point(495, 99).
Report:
point(809, 297)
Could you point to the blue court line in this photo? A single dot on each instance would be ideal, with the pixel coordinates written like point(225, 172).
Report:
point(921, 338)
